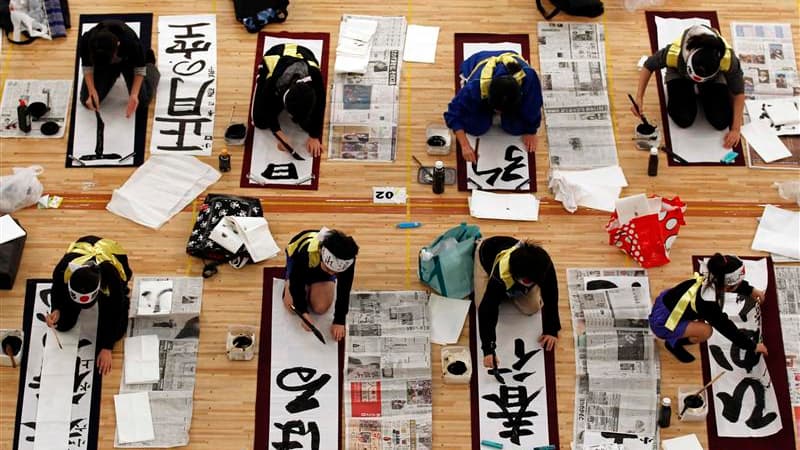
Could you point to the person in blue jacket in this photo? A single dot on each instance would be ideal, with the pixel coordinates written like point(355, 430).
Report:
point(496, 82)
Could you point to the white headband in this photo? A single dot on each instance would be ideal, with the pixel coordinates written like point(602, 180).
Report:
point(735, 277)
point(81, 298)
point(334, 263)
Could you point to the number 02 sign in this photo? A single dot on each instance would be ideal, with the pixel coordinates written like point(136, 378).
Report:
point(396, 195)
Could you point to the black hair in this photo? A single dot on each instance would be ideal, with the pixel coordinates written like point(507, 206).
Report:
point(300, 101)
point(341, 245)
point(102, 46)
point(530, 261)
point(85, 279)
point(504, 91)
point(711, 49)
point(719, 265)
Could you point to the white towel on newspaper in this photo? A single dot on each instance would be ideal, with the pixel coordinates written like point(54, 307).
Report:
point(160, 188)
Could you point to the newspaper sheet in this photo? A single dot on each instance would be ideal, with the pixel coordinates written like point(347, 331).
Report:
point(178, 331)
point(365, 107)
point(580, 132)
point(617, 365)
point(787, 281)
point(55, 94)
point(767, 57)
point(388, 396)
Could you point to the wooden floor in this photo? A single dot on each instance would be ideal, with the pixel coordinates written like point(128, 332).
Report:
point(723, 202)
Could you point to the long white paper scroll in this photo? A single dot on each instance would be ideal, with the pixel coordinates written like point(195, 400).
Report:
point(515, 413)
point(744, 398)
point(304, 380)
point(187, 59)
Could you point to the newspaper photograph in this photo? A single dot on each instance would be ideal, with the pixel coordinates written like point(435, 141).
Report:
point(388, 388)
point(787, 283)
point(177, 324)
point(615, 308)
point(767, 57)
point(365, 107)
point(575, 93)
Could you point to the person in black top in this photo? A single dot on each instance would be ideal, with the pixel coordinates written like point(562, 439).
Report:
point(93, 271)
point(689, 312)
point(109, 50)
point(700, 60)
point(316, 261)
point(506, 268)
point(289, 78)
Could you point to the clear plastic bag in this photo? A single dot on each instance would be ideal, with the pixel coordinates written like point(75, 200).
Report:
point(790, 190)
point(20, 189)
point(633, 5)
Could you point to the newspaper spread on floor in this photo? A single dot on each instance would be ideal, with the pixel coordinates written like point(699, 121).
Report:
point(617, 365)
point(176, 322)
point(365, 108)
point(787, 281)
point(580, 133)
point(766, 54)
point(54, 94)
point(388, 397)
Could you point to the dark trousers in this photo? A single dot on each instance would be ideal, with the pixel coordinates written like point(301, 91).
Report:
point(105, 77)
point(715, 99)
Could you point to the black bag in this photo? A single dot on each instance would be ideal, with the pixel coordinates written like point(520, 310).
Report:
point(214, 208)
point(254, 14)
point(583, 8)
point(10, 256)
point(8, 27)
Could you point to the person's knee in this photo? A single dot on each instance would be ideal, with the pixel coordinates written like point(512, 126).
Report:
point(318, 308)
point(719, 121)
point(683, 118)
point(702, 334)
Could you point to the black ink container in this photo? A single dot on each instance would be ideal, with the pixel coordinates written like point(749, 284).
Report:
point(438, 178)
point(224, 161)
point(652, 163)
point(23, 117)
point(665, 413)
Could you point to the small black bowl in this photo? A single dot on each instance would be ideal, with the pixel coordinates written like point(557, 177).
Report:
point(645, 129)
point(242, 342)
point(15, 342)
point(49, 128)
point(236, 131)
point(37, 110)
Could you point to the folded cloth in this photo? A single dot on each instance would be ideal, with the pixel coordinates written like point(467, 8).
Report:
point(55, 15)
point(161, 188)
point(594, 188)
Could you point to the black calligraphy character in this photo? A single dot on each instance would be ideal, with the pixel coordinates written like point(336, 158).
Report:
point(746, 361)
point(191, 104)
point(286, 171)
point(506, 173)
point(732, 404)
point(305, 401)
point(198, 45)
point(513, 402)
point(522, 359)
point(498, 374)
point(296, 427)
point(180, 132)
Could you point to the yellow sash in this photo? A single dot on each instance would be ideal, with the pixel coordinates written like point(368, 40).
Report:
point(687, 299)
point(487, 70)
point(104, 250)
point(310, 241)
point(503, 262)
point(288, 50)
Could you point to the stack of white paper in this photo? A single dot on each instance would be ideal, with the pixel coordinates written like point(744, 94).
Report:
point(764, 141)
point(253, 232)
point(778, 232)
point(134, 418)
point(9, 230)
point(447, 318)
point(141, 359)
point(688, 442)
point(355, 45)
point(486, 205)
point(594, 188)
point(421, 44)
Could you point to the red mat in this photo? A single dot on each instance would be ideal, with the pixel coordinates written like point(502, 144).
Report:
point(262, 427)
point(771, 331)
point(248, 144)
point(550, 375)
point(650, 17)
point(460, 40)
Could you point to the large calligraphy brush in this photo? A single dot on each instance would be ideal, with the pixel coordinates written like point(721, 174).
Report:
point(496, 371)
point(58, 341)
point(308, 323)
point(288, 148)
point(642, 116)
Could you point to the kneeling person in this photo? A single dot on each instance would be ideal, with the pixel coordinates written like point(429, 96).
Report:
point(520, 271)
point(93, 271)
point(316, 261)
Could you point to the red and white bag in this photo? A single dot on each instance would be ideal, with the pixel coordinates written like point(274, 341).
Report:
point(645, 229)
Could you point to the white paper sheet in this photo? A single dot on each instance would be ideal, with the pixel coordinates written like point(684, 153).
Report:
point(194, 74)
point(487, 205)
point(764, 141)
point(447, 318)
point(688, 442)
point(119, 132)
point(141, 359)
point(421, 44)
point(265, 150)
point(777, 112)
point(256, 237)
point(155, 297)
point(9, 230)
point(778, 232)
point(700, 142)
point(515, 330)
point(161, 188)
point(134, 418)
point(470, 48)
point(293, 347)
point(54, 413)
point(633, 206)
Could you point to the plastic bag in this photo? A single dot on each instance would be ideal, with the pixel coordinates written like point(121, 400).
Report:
point(647, 239)
point(446, 264)
point(21, 189)
point(789, 190)
point(633, 5)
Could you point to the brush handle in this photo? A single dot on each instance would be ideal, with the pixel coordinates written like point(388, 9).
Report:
point(713, 380)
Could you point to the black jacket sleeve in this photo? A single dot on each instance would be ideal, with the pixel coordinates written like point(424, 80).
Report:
point(551, 322)
point(344, 283)
point(488, 313)
point(711, 312)
point(297, 281)
point(315, 122)
point(266, 104)
point(113, 312)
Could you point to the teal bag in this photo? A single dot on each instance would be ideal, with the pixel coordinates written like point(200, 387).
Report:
point(446, 265)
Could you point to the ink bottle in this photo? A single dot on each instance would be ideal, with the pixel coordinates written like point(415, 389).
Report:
point(23, 117)
point(224, 161)
point(438, 178)
point(665, 413)
point(652, 163)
